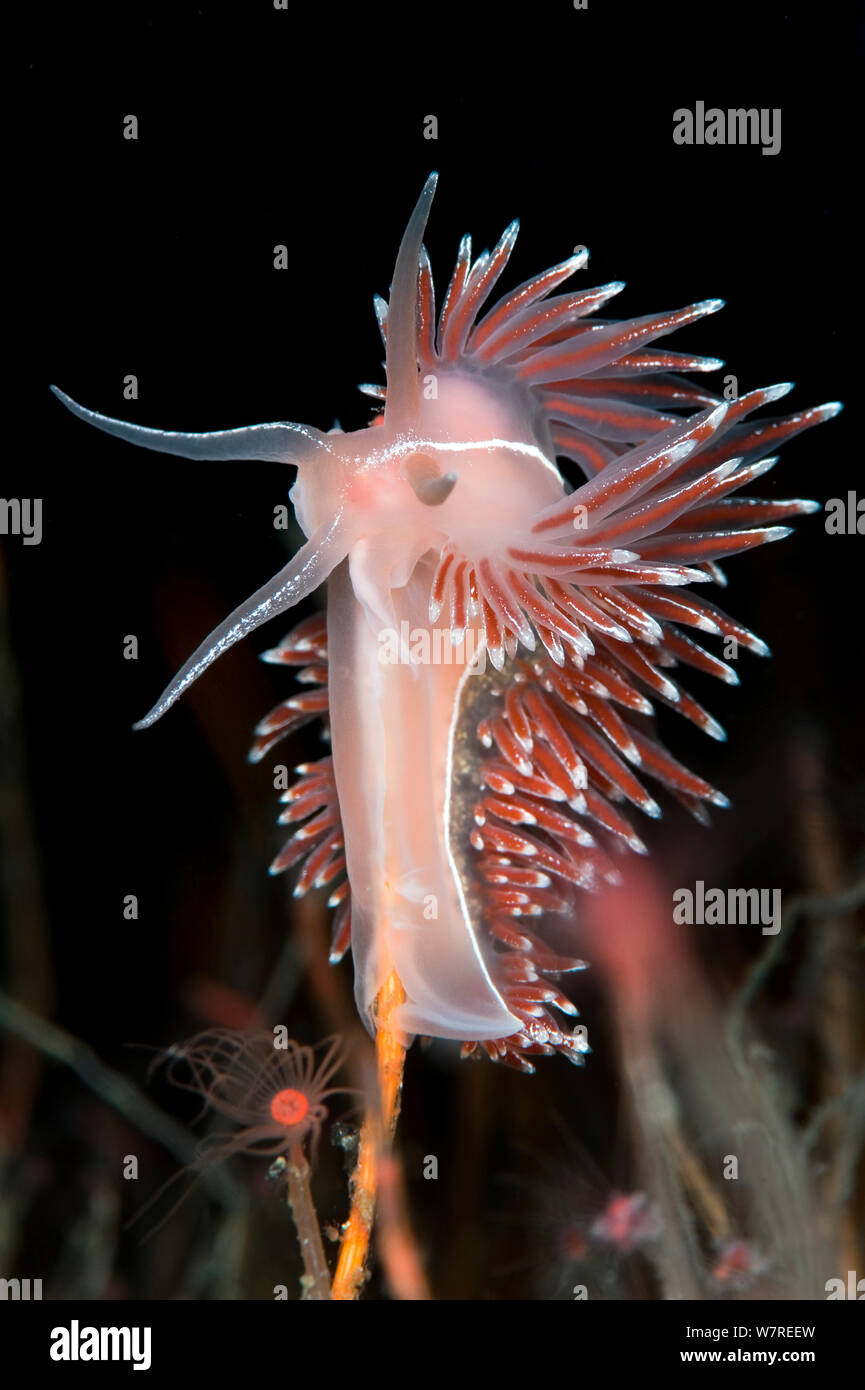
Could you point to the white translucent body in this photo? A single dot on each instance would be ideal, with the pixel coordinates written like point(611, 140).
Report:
point(392, 722)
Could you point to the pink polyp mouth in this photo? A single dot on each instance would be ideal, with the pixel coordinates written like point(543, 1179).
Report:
point(289, 1107)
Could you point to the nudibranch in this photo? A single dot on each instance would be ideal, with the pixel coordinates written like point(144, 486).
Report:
point(475, 784)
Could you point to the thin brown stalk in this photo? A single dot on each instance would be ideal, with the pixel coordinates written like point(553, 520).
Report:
point(316, 1276)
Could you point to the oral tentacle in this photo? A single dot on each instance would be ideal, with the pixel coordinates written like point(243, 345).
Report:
point(300, 577)
point(280, 442)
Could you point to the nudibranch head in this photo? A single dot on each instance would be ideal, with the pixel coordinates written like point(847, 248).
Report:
point(468, 473)
point(467, 799)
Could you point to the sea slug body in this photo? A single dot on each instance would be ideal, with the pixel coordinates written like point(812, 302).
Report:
point(476, 790)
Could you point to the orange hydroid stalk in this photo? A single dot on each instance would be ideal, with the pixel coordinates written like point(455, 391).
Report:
point(376, 1137)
